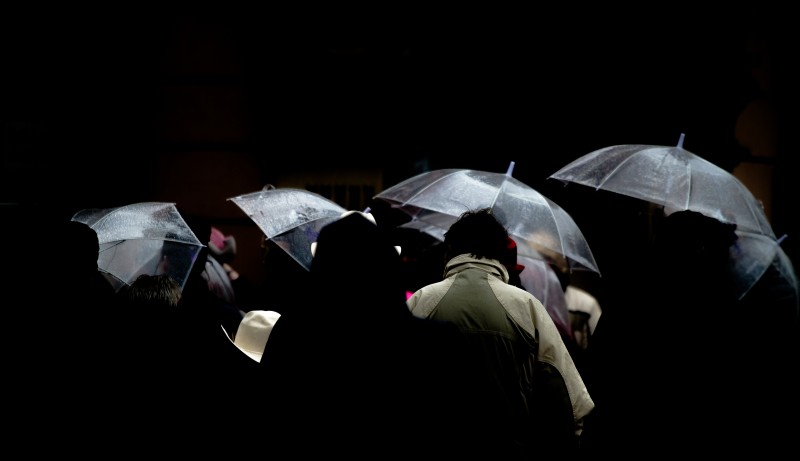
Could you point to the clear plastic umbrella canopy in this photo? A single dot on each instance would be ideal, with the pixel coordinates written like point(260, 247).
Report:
point(292, 218)
point(750, 257)
point(676, 180)
point(539, 279)
point(142, 238)
point(539, 226)
point(672, 177)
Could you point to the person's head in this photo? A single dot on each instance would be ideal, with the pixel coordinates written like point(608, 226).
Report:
point(354, 256)
point(691, 251)
point(151, 292)
point(81, 246)
point(689, 234)
point(477, 233)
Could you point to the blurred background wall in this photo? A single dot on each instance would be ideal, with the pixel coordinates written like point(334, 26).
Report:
point(106, 108)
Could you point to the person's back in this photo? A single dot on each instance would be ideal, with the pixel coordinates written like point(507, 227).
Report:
point(352, 372)
point(77, 296)
point(691, 344)
point(512, 330)
point(145, 314)
point(67, 305)
point(175, 370)
point(772, 324)
point(690, 255)
point(76, 264)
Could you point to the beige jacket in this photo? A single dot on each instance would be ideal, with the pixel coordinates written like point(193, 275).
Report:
point(476, 296)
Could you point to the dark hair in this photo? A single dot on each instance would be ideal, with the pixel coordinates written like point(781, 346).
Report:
point(354, 254)
point(477, 233)
point(692, 234)
point(151, 291)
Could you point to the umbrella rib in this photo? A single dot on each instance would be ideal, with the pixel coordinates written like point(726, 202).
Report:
point(106, 216)
point(614, 171)
point(298, 224)
point(305, 223)
point(419, 192)
point(690, 188)
point(628, 159)
point(500, 190)
point(502, 187)
point(563, 249)
point(755, 213)
point(560, 234)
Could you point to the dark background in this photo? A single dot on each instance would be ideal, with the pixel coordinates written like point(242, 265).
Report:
point(89, 97)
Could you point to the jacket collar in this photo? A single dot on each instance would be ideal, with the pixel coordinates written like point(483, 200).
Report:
point(466, 261)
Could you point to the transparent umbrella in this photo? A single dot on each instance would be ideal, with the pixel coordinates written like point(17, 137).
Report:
point(437, 198)
point(672, 177)
point(539, 279)
point(142, 238)
point(292, 218)
point(752, 255)
point(675, 179)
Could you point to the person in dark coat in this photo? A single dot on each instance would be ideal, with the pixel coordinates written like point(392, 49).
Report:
point(176, 369)
point(61, 356)
point(76, 298)
point(350, 372)
point(684, 364)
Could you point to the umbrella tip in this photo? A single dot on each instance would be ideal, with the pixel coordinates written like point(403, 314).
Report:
point(783, 237)
point(510, 168)
point(680, 140)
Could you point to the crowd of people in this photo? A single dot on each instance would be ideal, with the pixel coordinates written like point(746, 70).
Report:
point(340, 361)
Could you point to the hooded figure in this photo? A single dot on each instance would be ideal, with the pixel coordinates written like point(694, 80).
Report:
point(354, 373)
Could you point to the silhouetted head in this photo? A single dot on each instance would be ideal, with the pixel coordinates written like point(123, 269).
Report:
point(477, 233)
point(689, 234)
point(356, 259)
point(153, 293)
point(81, 246)
point(691, 253)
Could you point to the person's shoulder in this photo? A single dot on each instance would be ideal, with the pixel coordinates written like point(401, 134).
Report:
point(513, 291)
point(428, 291)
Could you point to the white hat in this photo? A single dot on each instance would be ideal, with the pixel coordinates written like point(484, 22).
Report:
point(253, 332)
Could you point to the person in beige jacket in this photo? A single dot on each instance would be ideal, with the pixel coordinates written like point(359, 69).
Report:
point(512, 330)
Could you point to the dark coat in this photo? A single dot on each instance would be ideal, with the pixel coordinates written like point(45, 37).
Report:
point(683, 364)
